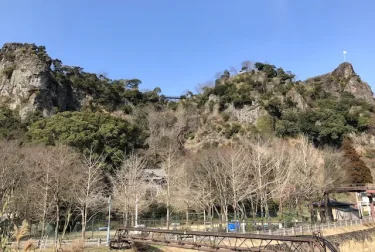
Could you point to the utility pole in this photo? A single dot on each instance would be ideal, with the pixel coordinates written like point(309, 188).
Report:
point(109, 221)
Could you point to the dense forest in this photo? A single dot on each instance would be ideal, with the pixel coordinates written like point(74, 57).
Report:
point(246, 142)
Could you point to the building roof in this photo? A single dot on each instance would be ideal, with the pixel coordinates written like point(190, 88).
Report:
point(333, 203)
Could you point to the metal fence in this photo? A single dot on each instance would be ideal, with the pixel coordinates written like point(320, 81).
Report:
point(255, 227)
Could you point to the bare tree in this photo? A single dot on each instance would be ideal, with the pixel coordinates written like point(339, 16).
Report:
point(241, 179)
point(130, 187)
point(12, 165)
point(309, 176)
point(170, 155)
point(202, 191)
point(261, 164)
point(41, 168)
point(233, 70)
point(202, 87)
point(64, 161)
point(283, 168)
point(212, 167)
point(246, 65)
point(218, 75)
point(89, 188)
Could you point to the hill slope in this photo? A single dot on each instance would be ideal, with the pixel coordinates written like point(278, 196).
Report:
point(261, 99)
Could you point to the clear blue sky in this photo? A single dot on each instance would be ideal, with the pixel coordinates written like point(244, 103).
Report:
point(176, 44)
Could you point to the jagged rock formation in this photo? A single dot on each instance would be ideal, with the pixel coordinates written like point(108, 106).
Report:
point(27, 83)
point(344, 79)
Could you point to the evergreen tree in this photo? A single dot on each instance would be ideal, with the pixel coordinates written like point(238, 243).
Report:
point(357, 171)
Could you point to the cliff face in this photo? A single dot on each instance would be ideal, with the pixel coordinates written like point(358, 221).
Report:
point(344, 79)
point(27, 83)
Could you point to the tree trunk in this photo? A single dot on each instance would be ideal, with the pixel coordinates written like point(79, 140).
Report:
point(281, 210)
point(311, 212)
point(266, 209)
point(45, 205)
point(235, 209)
point(57, 221)
point(84, 219)
point(187, 216)
point(168, 215)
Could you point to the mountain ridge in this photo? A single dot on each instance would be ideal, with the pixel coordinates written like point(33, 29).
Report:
point(261, 98)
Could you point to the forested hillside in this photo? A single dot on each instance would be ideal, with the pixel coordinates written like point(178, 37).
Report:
point(223, 150)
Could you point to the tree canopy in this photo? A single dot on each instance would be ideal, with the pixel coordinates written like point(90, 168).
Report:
point(103, 133)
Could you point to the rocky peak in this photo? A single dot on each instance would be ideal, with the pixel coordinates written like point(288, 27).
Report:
point(7, 47)
point(27, 83)
point(344, 79)
point(344, 70)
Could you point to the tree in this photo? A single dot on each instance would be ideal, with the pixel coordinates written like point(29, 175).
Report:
point(357, 171)
point(10, 125)
point(269, 70)
point(246, 65)
point(170, 156)
point(64, 161)
point(283, 168)
point(233, 70)
point(88, 131)
point(49, 182)
point(12, 163)
point(309, 177)
point(89, 188)
point(235, 163)
point(130, 186)
point(261, 165)
point(211, 168)
point(132, 83)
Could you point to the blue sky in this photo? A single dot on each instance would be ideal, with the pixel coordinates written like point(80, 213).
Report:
point(176, 44)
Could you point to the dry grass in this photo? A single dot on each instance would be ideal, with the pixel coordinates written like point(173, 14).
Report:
point(348, 229)
point(355, 246)
point(76, 246)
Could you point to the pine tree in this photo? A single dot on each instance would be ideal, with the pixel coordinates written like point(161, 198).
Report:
point(357, 171)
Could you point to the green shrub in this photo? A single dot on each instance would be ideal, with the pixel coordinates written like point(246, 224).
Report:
point(264, 124)
point(8, 71)
point(127, 109)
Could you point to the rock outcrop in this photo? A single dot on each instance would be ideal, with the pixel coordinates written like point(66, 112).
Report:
point(344, 79)
point(27, 83)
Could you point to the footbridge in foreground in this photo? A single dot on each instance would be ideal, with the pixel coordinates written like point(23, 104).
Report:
point(208, 241)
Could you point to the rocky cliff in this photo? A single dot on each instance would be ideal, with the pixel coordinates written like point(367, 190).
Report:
point(27, 83)
point(344, 79)
point(31, 81)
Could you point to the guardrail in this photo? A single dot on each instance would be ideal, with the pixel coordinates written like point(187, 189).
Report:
point(270, 228)
point(308, 229)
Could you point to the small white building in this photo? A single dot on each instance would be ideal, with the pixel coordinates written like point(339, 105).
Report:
point(363, 204)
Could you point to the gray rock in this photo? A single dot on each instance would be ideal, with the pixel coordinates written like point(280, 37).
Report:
point(344, 78)
point(360, 90)
point(247, 114)
point(297, 98)
point(27, 83)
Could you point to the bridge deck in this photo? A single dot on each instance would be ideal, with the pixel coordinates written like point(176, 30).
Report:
point(353, 188)
point(207, 241)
